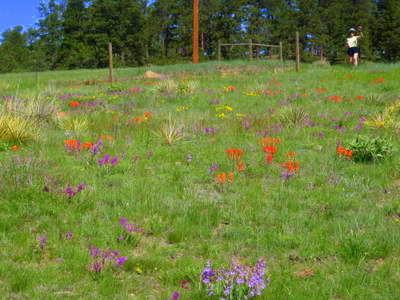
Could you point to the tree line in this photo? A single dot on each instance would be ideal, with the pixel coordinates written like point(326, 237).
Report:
point(75, 33)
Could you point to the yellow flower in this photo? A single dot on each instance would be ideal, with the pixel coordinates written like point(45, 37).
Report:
point(182, 108)
point(222, 115)
point(240, 115)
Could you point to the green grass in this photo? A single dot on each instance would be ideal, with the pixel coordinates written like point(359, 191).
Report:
point(334, 216)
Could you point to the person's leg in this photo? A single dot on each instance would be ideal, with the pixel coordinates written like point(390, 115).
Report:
point(355, 59)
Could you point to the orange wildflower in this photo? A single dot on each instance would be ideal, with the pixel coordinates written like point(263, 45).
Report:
point(343, 151)
point(335, 98)
point(377, 80)
point(234, 154)
point(72, 144)
point(273, 92)
point(106, 137)
point(360, 97)
point(268, 159)
point(223, 178)
point(270, 149)
point(230, 88)
point(240, 166)
point(87, 145)
point(138, 119)
point(15, 148)
point(321, 90)
point(291, 166)
point(148, 115)
point(74, 104)
point(62, 114)
point(291, 154)
point(269, 140)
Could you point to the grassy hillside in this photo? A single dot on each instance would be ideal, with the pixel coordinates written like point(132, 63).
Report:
point(218, 162)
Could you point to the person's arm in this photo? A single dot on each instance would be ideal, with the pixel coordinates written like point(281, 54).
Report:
point(360, 33)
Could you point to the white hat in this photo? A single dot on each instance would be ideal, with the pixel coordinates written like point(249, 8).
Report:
point(352, 30)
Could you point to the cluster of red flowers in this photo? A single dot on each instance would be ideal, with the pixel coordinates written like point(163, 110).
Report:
point(234, 153)
point(335, 98)
point(146, 116)
point(230, 88)
point(269, 147)
point(291, 166)
point(377, 80)
point(223, 178)
point(341, 151)
point(74, 104)
point(273, 92)
point(75, 145)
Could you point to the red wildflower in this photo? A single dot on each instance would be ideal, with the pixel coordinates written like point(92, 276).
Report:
point(223, 178)
point(148, 115)
point(15, 148)
point(291, 166)
point(360, 97)
point(138, 119)
point(234, 154)
point(268, 159)
point(72, 145)
point(87, 145)
point(74, 104)
point(270, 149)
point(240, 166)
point(335, 98)
point(269, 140)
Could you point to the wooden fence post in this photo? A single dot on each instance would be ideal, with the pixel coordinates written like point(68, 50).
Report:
point(219, 50)
point(297, 52)
point(110, 63)
point(281, 52)
point(250, 49)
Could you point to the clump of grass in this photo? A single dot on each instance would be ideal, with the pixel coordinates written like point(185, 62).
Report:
point(38, 108)
point(292, 116)
point(16, 129)
point(73, 124)
point(170, 131)
point(376, 99)
point(167, 86)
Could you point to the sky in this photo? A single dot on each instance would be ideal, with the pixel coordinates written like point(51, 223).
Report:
point(18, 12)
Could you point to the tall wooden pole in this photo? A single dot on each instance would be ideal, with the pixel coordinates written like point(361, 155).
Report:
point(110, 63)
point(195, 31)
point(297, 52)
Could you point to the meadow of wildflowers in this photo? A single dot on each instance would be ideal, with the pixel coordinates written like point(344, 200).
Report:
point(259, 184)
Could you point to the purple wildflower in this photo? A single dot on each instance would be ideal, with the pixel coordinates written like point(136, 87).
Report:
point(189, 158)
point(96, 148)
point(70, 192)
point(210, 131)
point(97, 267)
point(175, 296)
point(120, 261)
point(123, 221)
point(42, 241)
point(80, 187)
point(286, 175)
point(114, 161)
point(69, 235)
point(362, 119)
point(214, 167)
point(359, 127)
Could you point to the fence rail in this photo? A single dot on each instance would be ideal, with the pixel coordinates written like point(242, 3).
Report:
point(250, 44)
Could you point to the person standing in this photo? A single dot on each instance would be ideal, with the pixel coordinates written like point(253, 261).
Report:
point(352, 44)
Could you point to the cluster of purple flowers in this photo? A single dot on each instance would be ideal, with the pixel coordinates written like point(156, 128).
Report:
point(42, 241)
point(69, 96)
point(210, 131)
point(96, 148)
point(107, 160)
point(105, 257)
point(129, 227)
point(238, 282)
point(71, 192)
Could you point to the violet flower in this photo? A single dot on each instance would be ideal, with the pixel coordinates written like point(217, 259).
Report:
point(42, 241)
